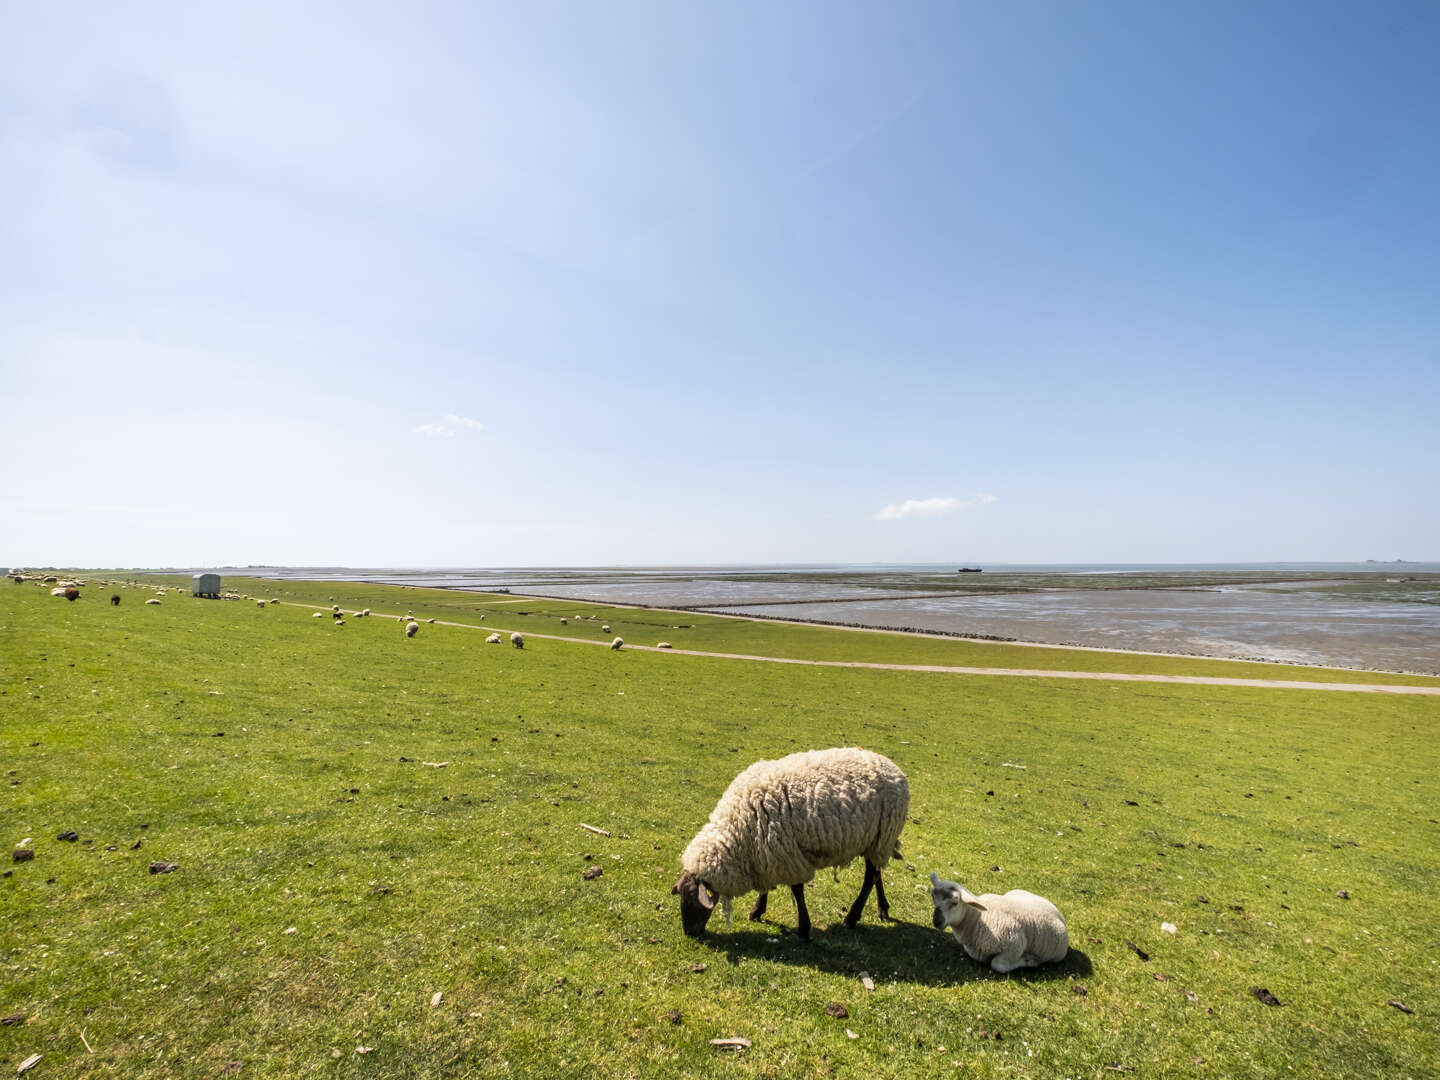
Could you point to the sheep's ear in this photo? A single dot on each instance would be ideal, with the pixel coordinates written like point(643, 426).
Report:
point(707, 898)
point(934, 880)
point(967, 897)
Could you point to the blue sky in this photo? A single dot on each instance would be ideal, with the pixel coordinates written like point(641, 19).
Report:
point(523, 284)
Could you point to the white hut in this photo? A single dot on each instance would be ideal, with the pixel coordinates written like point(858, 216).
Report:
point(206, 585)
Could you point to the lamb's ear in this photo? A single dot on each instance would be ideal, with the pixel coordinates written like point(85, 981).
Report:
point(707, 898)
point(934, 880)
point(967, 897)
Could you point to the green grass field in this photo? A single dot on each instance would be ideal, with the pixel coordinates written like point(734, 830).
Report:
point(360, 823)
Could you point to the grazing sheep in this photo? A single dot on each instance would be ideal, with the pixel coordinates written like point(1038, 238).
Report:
point(1012, 931)
point(366, 612)
point(493, 639)
point(563, 622)
point(518, 640)
point(115, 600)
point(260, 603)
point(152, 600)
point(663, 645)
point(337, 615)
point(605, 629)
point(780, 821)
point(617, 644)
point(319, 615)
point(411, 629)
point(72, 593)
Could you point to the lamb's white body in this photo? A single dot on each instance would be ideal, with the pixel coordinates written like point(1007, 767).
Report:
point(781, 821)
point(1016, 930)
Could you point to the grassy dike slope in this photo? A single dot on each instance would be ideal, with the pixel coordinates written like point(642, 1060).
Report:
point(333, 875)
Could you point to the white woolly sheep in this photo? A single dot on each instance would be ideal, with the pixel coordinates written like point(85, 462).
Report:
point(57, 591)
point(493, 639)
point(605, 628)
point(259, 603)
point(564, 622)
point(617, 644)
point(319, 615)
point(1012, 931)
point(152, 600)
point(780, 821)
point(411, 629)
point(663, 645)
point(518, 640)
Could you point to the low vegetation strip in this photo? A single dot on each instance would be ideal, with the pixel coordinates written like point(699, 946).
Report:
point(1036, 673)
point(261, 844)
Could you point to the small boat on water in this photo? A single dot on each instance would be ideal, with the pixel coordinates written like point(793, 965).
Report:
point(969, 570)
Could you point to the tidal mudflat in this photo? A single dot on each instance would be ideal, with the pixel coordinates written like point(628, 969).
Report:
point(1367, 616)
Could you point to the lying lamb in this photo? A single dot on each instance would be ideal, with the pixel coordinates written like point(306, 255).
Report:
point(1012, 931)
point(780, 821)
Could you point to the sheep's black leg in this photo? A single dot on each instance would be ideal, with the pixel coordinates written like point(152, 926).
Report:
point(804, 930)
point(856, 909)
point(881, 904)
point(759, 908)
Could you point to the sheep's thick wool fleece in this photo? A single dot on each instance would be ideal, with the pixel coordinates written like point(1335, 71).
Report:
point(780, 821)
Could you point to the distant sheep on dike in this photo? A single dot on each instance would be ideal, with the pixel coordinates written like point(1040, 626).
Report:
point(617, 644)
point(780, 821)
point(1017, 930)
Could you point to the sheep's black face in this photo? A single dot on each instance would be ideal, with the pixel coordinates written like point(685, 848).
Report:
point(696, 904)
point(938, 918)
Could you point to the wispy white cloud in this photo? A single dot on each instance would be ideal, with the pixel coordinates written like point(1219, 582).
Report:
point(932, 507)
point(446, 428)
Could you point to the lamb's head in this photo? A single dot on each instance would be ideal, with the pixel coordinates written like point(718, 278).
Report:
point(953, 902)
point(697, 903)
